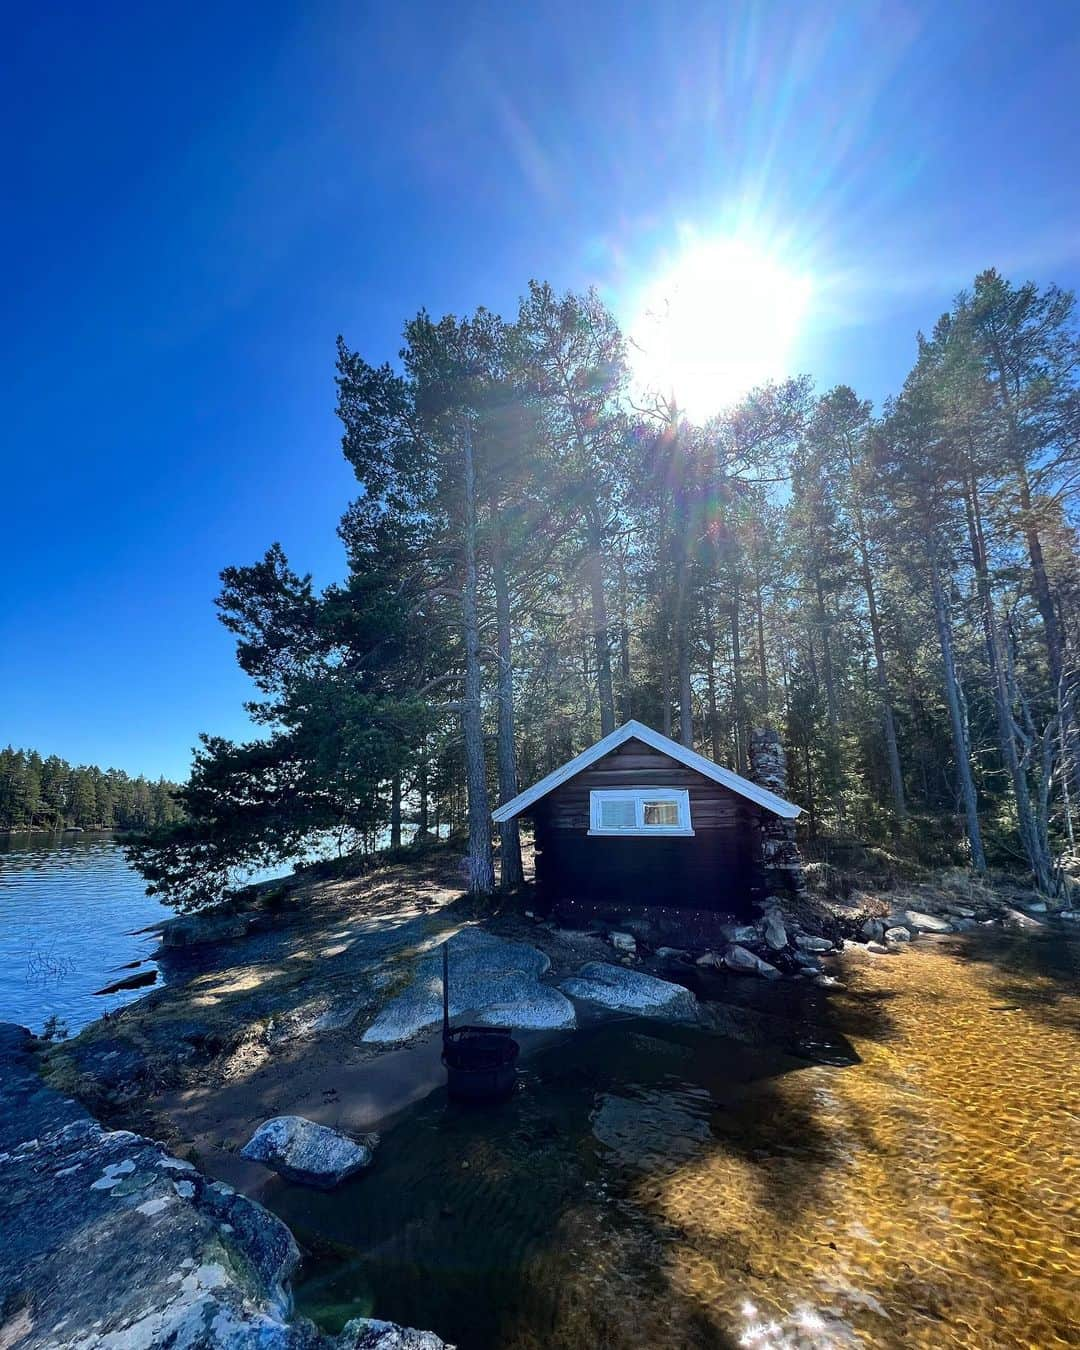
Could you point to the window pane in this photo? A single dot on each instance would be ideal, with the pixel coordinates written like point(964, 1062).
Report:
point(617, 813)
point(662, 813)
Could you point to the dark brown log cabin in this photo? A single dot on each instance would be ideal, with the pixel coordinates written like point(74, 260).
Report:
point(640, 824)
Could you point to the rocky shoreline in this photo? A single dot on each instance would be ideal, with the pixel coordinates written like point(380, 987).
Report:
point(317, 1007)
point(109, 1241)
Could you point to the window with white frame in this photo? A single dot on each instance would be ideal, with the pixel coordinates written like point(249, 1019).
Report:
point(639, 811)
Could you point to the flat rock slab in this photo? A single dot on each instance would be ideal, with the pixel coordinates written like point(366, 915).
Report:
point(314, 1155)
point(544, 1010)
point(623, 990)
point(485, 972)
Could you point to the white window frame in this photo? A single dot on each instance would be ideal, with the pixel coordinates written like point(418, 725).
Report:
point(639, 796)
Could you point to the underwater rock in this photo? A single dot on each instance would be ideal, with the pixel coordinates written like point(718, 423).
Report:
point(738, 958)
point(623, 942)
point(623, 990)
point(873, 930)
point(653, 1130)
point(897, 934)
point(314, 1155)
point(879, 948)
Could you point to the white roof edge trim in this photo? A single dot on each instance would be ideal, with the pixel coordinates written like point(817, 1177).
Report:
point(639, 731)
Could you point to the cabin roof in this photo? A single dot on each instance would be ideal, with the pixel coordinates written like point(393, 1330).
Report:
point(632, 730)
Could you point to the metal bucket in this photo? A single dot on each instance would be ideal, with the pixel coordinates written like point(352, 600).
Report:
point(481, 1062)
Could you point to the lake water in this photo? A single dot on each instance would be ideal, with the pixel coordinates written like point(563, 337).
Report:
point(664, 1186)
point(69, 908)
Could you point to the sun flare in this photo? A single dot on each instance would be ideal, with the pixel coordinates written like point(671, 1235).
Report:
point(721, 319)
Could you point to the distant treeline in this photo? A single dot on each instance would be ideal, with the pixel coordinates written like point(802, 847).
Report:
point(38, 793)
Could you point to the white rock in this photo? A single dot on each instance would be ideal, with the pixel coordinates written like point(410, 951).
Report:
point(1023, 922)
point(898, 934)
point(879, 948)
point(672, 954)
point(623, 942)
point(739, 932)
point(925, 923)
point(809, 943)
point(775, 933)
point(738, 958)
point(544, 1010)
point(304, 1151)
point(624, 990)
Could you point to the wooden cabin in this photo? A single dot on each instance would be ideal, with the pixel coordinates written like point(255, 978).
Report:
point(640, 825)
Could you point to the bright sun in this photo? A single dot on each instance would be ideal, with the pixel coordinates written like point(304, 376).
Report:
point(721, 320)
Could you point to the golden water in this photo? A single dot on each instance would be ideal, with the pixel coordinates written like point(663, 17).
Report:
point(925, 1195)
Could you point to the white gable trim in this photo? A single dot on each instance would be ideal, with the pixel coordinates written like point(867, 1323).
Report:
point(638, 731)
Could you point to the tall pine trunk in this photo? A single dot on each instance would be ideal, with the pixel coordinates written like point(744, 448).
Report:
point(961, 750)
point(510, 873)
point(626, 697)
point(1035, 845)
point(395, 811)
point(738, 697)
point(888, 719)
point(600, 632)
point(480, 863)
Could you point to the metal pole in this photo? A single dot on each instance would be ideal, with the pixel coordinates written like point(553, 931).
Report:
point(445, 993)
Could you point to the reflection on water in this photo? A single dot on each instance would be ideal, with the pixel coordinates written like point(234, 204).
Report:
point(660, 1186)
point(68, 906)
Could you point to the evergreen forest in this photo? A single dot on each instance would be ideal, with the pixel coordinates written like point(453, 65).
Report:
point(538, 551)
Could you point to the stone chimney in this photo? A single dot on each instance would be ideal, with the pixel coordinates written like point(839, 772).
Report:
point(781, 863)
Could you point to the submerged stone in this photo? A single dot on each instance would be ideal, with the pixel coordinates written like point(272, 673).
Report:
point(302, 1150)
point(623, 990)
point(897, 934)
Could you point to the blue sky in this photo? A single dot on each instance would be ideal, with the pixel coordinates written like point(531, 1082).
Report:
point(198, 201)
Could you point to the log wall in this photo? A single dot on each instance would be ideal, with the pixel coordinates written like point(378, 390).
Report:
point(718, 869)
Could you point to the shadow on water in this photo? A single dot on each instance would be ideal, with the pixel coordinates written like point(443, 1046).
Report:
point(542, 1222)
point(1037, 971)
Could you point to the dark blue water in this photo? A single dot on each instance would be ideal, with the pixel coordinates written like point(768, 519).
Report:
point(69, 908)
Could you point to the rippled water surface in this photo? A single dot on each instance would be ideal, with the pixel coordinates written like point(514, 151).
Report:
point(68, 906)
point(667, 1187)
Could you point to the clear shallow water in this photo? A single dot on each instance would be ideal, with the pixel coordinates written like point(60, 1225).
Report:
point(68, 906)
point(660, 1186)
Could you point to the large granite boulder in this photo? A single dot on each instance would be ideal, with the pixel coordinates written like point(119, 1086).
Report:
point(107, 1242)
point(314, 1155)
point(623, 990)
point(485, 972)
